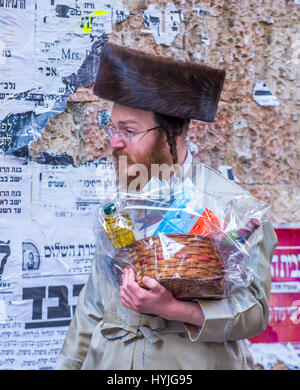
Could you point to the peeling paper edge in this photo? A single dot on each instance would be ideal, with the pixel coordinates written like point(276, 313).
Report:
point(268, 354)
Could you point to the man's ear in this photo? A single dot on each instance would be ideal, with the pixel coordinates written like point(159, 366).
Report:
point(167, 146)
point(164, 139)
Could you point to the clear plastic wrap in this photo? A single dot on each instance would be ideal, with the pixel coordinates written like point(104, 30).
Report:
point(197, 245)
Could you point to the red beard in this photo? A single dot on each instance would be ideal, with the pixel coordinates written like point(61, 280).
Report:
point(135, 171)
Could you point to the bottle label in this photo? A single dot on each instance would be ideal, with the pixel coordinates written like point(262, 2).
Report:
point(119, 230)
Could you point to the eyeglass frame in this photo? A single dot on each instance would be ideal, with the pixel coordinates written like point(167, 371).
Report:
point(130, 135)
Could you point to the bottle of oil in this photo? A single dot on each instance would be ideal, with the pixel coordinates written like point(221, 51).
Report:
point(117, 226)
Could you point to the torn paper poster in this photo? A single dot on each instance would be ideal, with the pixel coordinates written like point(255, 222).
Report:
point(163, 24)
point(42, 278)
point(3, 315)
point(57, 47)
point(267, 355)
point(239, 127)
point(198, 57)
point(205, 39)
point(227, 172)
point(14, 189)
point(103, 117)
point(18, 130)
point(203, 12)
point(47, 244)
point(68, 192)
point(267, 20)
point(263, 96)
point(284, 302)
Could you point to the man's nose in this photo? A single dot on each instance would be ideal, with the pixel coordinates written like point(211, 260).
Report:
point(117, 142)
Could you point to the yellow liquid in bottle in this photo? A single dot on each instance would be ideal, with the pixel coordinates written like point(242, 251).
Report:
point(119, 230)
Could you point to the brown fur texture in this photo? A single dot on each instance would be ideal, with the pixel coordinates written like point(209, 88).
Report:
point(153, 83)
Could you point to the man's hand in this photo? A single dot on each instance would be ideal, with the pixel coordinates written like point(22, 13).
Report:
point(157, 300)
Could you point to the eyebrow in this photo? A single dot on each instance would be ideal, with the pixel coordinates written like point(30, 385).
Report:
point(128, 121)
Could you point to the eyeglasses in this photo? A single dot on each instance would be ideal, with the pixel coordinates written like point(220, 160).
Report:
point(125, 135)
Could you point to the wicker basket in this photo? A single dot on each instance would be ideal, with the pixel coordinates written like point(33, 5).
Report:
point(195, 270)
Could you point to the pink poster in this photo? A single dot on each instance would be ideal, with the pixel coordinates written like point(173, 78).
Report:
point(284, 316)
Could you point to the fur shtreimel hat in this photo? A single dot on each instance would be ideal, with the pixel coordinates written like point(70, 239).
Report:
point(175, 88)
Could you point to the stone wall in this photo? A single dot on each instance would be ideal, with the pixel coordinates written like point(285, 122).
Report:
point(252, 40)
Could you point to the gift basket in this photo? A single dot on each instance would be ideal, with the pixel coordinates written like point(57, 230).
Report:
point(197, 245)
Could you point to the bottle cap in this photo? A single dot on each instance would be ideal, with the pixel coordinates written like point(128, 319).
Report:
point(109, 209)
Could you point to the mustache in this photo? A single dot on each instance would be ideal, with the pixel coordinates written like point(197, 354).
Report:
point(118, 153)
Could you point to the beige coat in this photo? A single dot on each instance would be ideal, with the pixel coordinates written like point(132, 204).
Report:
point(104, 334)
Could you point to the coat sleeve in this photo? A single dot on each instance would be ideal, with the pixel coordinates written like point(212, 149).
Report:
point(87, 315)
point(246, 312)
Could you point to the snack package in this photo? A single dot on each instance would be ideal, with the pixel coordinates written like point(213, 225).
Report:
point(196, 245)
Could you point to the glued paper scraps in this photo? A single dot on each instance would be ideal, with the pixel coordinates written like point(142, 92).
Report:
point(263, 96)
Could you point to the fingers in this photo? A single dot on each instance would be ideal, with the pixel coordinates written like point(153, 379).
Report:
point(135, 297)
point(128, 275)
point(127, 303)
point(131, 274)
point(125, 299)
point(125, 276)
point(129, 282)
point(152, 284)
point(129, 287)
point(129, 299)
point(125, 292)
